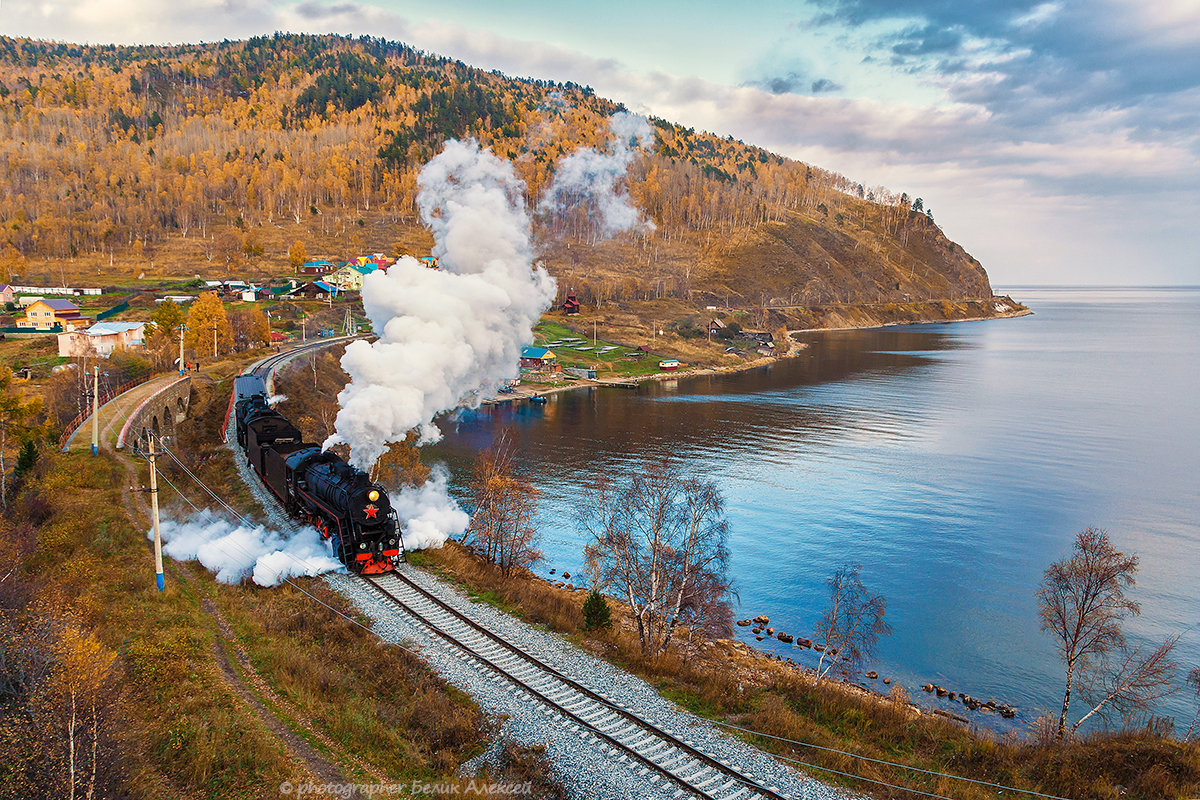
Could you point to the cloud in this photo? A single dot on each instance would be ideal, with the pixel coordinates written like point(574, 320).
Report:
point(824, 85)
point(1055, 118)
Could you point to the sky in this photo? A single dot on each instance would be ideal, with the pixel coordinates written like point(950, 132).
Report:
point(1058, 142)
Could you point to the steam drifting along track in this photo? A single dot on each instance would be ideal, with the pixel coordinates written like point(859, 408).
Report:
point(622, 733)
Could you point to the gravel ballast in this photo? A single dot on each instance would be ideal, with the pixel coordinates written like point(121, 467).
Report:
point(581, 763)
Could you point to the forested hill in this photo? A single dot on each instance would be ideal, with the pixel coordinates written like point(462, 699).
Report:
point(182, 159)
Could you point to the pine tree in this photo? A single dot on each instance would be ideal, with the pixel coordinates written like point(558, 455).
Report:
point(596, 614)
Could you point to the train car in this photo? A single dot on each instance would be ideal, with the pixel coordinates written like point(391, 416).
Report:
point(317, 487)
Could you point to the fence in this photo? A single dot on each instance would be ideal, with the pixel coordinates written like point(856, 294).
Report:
point(117, 309)
point(15, 331)
point(79, 419)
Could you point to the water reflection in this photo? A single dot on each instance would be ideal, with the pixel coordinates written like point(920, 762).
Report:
point(953, 462)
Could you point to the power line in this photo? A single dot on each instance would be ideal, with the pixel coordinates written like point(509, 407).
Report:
point(288, 581)
point(583, 723)
point(888, 763)
point(869, 780)
point(934, 773)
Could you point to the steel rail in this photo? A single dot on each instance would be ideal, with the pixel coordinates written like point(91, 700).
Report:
point(727, 772)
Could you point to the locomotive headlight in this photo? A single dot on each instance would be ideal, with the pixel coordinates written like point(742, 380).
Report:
point(373, 495)
point(362, 546)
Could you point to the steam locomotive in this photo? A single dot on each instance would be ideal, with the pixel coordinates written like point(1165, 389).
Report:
point(317, 487)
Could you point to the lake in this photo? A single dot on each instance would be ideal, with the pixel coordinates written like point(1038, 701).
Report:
point(954, 462)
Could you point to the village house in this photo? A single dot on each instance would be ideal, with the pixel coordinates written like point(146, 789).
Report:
point(318, 267)
point(715, 327)
point(6, 293)
point(102, 339)
point(539, 359)
point(570, 305)
point(44, 315)
point(350, 277)
point(315, 290)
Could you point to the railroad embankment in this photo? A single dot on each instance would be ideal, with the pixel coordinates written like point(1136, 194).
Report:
point(731, 683)
point(203, 690)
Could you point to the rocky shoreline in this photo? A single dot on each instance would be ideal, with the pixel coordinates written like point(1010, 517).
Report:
point(761, 631)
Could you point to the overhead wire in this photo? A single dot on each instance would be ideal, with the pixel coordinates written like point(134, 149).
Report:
point(745, 781)
point(288, 581)
point(887, 763)
point(848, 754)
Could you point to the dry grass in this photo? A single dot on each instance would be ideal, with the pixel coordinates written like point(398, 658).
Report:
point(185, 733)
point(734, 684)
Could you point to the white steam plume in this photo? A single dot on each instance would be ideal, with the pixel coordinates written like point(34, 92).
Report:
point(446, 335)
point(234, 551)
point(428, 514)
point(276, 399)
point(590, 177)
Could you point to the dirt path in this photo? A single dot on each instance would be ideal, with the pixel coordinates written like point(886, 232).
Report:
point(249, 689)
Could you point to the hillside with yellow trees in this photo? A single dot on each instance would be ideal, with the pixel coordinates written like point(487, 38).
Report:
point(161, 161)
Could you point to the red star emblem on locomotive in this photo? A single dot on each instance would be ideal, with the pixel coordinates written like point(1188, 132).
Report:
point(371, 511)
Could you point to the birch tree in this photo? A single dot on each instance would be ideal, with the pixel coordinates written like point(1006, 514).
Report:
point(1193, 683)
point(1082, 604)
point(852, 623)
point(659, 542)
point(1129, 684)
point(504, 506)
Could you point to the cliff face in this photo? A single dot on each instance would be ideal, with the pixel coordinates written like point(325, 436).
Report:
point(230, 155)
point(803, 260)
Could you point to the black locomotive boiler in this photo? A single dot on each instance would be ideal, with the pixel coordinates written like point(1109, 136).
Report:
point(317, 487)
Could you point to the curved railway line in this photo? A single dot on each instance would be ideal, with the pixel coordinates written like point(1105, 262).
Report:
point(673, 759)
point(663, 757)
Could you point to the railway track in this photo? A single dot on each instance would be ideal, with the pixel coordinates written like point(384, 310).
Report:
point(663, 757)
point(673, 760)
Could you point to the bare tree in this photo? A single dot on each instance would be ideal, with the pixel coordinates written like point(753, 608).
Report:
point(1129, 686)
point(852, 622)
point(1082, 603)
point(660, 541)
point(1193, 682)
point(505, 503)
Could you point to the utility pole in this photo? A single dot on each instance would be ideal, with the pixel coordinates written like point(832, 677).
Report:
point(182, 366)
point(158, 565)
point(214, 340)
point(95, 410)
point(303, 330)
point(594, 340)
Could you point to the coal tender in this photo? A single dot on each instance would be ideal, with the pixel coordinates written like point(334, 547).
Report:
point(316, 487)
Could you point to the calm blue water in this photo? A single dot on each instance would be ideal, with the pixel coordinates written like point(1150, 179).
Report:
point(954, 462)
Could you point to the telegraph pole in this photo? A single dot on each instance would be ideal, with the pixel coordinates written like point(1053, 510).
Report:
point(95, 410)
point(158, 564)
point(303, 330)
point(214, 340)
point(182, 366)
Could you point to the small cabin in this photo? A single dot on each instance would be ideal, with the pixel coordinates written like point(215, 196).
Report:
point(538, 358)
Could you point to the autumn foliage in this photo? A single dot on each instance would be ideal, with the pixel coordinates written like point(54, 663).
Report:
point(112, 151)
